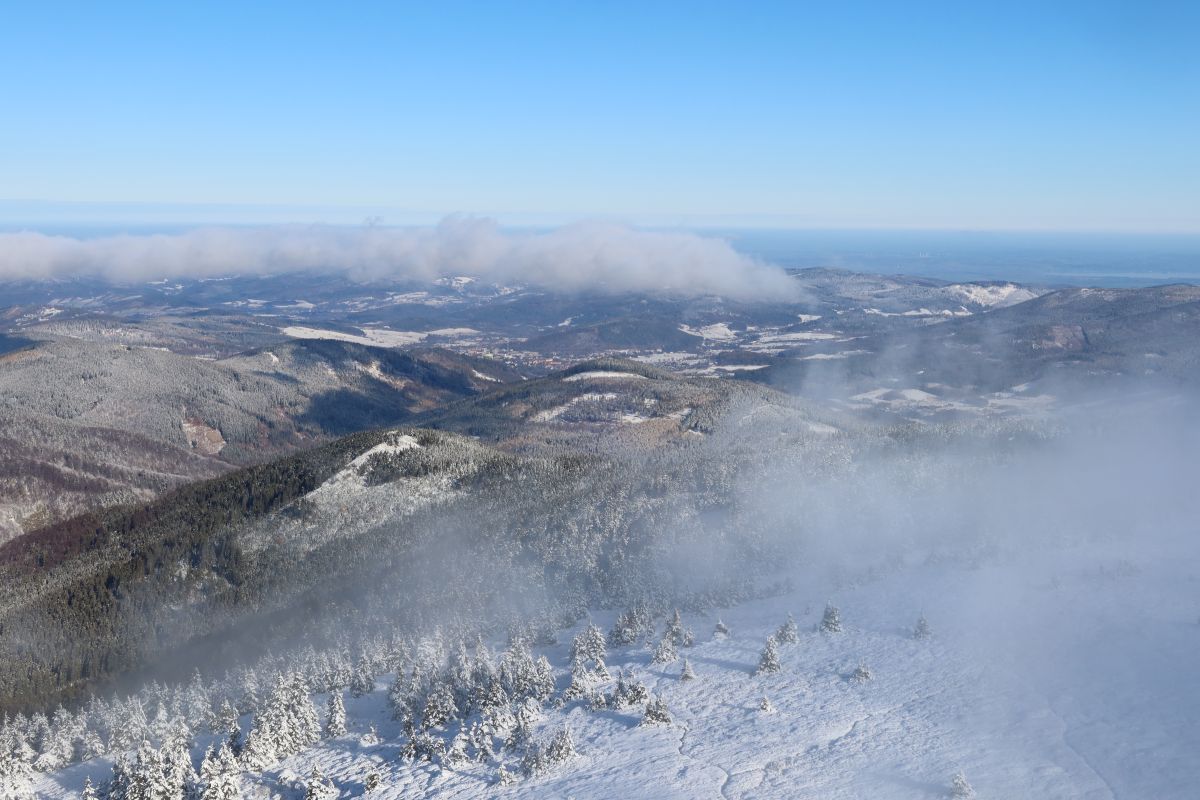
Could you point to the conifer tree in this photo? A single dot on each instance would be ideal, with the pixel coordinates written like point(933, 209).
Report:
point(831, 622)
point(765, 705)
point(656, 712)
point(768, 661)
point(371, 781)
point(16, 777)
point(665, 652)
point(861, 674)
point(89, 791)
point(561, 748)
point(335, 715)
point(679, 635)
point(787, 633)
point(319, 787)
point(721, 629)
point(221, 775)
point(686, 674)
point(922, 630)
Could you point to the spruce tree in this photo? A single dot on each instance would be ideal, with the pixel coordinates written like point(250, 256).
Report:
point(787, 633)
point(16, 777)
point(861, 674)
point(319, 787)
point(221, 775)
point(679, 635)
point(721, 629)
point(656, 712)
point(665, 652)
point(768, 661)
point(335, 715)
point(831, 622)
point(921, 630)
point(686, 673)
point(371, 781)
point(765, 705)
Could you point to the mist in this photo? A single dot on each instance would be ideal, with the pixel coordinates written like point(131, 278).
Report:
point(594, 256)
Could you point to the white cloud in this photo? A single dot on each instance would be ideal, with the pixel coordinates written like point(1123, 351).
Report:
point(581, 257)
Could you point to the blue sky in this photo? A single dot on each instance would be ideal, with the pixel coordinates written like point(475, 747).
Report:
point(960, 115)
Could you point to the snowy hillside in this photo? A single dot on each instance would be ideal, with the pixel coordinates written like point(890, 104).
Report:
point(1024, 703)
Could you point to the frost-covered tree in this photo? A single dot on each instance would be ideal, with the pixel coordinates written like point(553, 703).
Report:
point(506, 777)
point(768, 660)
point(371, 781)
point(959, 788)
point(629, 627)
point(861, 674)
point(319, 787)
point(665, 652)
point(589, 646)
point(788, 633)
point(287, 723)
point(440, 707)
point(561, 748)
point(335, 715)
point(656, 712)
point(721, 629)
point(629, 691)
point(221, 775)
point(16, 777)
point(362, 682)
point(686, 674)
point(89, 791)
point(831, 622)
point(765, 705)
point(922, 630)
point(679, 635)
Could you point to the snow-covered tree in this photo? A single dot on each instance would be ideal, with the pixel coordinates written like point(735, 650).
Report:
point(629, 691)
point(861, 674)
point(765, 705)
point(506, 777)
point(16, 777)
point(561, 748)
point(361, 682)
point(831, 622)
point(221, 775)
point(371, 781)
point(686, 674)
point(335, 715)
point(287, 723)
point(721, 629)
point(589, 646)
point(89, 791)
point(656, 712)
point(319, 787)
point(679, 635)
point(959, 788)
point(665, 652)
point(788, 633)
point(440, 707)
point(768, 660)
point(922, 630)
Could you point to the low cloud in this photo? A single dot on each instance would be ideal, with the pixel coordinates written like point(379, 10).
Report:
point(581, 257)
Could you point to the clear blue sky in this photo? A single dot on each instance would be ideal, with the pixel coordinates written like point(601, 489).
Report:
point(965, 114)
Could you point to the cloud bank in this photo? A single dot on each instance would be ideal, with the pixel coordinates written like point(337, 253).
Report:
point(581, 257)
